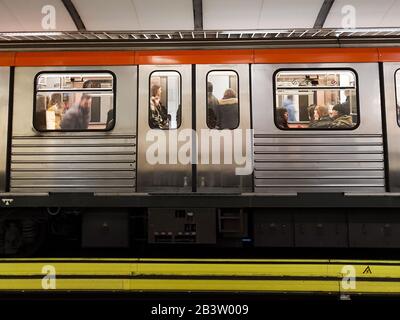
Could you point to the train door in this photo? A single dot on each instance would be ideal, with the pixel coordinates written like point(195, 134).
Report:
point(392, 109)
point(223, 128)
point(165, 123)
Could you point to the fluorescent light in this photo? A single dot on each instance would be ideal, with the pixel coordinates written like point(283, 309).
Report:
point(30, 34)
point(253, 31)
point(354, 30)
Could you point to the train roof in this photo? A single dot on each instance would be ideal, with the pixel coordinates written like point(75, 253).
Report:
point(190, 24)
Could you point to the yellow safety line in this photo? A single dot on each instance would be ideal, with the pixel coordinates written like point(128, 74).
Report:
point(200, 275)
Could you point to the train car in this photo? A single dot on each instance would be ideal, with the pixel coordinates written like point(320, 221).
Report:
point(218, 148)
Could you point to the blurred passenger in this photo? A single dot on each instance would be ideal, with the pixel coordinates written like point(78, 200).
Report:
point(158, 113)
point(282, 116)
point(321, 118)
point(212, 107)
point(40, 115)
point(56, 108)
point(66, 102)
point(289, 105)
point(228, 110)
point(341, 116)
point(78, 116)
point(110, 120)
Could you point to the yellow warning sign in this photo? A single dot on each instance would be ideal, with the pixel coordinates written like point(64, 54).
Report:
point(367, 270)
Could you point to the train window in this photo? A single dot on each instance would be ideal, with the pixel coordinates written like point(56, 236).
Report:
point(74, 101)
point(222, 100)
point(165, 100)
point(316, 99)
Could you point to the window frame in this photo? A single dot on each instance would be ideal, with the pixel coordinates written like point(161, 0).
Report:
point(274, 89)
point(35, 92)
point(180, 99)
point(395, 96)
point(238, 97)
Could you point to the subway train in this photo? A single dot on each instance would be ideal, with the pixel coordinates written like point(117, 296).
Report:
point(220, 148)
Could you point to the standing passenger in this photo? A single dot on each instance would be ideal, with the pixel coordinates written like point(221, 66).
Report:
point(78, 116)
point(228, 110)
point(212, 107)
point(158, 113)
point(56, 108)
point(289, 105)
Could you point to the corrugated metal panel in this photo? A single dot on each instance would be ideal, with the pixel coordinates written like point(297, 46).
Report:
point(328, 163)
point(74, 163)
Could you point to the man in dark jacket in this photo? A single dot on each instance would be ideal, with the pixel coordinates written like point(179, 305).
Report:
point(78, 116)
point(341, 116)
point(212, 106)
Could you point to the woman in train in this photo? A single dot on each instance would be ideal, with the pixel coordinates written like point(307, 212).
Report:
point(158, 113)
point(321, 117)
point(311, 113)
point(56, 109)
point(228, 110)
point(341, 116)
point(282, 116)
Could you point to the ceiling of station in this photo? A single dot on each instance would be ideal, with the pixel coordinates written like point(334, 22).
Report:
point(26, 15)
point(259, 14)
point(140, 15)
point(368, 13)
point(120, 15)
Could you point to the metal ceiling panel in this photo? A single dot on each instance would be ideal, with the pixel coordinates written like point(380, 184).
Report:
point(123, 15)
point(23, 15)
point(367, 13)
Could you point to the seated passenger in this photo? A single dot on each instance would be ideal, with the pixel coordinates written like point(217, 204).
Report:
point(228, 110)
point(78, 116)
point(311, 111)
point(212, 107)
point(341, 116)
point(321, 117)
point(158, 113)
point(282, 117)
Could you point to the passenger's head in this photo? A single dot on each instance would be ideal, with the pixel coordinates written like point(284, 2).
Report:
point(321, 111)
point(55, 99)
point(282, 114)
point(86, 101)
point(339, 110)
point(310, 110)
point(290, 97)
point(66, 101)
point(155, 90)
point(88, 84)
point(229, 93)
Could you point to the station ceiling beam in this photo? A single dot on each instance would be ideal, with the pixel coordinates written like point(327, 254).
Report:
point(198, 14)
point(323, 14)
point(74, 15)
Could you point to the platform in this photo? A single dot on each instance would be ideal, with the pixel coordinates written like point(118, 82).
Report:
point(320, 277)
